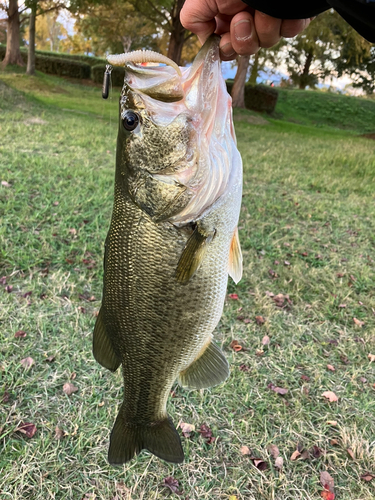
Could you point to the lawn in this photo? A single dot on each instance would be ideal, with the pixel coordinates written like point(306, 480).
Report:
point(302, 318)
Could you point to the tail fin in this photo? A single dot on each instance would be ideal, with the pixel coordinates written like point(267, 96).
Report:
point(160, 438)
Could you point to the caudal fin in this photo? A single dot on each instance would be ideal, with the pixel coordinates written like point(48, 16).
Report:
point(160, 438)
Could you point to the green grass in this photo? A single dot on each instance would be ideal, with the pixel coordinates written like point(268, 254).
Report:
point(325, 109)
point(307, 231)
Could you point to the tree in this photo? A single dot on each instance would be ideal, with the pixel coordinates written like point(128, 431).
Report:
point(238, 89)
point(13, 52)
point(356, 58)
point(30, 70)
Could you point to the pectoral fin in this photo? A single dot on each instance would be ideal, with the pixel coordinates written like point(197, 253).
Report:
point(211, 368)
point(193, 254)
point(235, 258)
point(102, 346)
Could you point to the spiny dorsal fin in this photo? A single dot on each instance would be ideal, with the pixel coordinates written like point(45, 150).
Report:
point(235, 258)
point(193, 254)
point(209, 369)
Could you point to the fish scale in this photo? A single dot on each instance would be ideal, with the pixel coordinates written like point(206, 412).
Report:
point(164, 281)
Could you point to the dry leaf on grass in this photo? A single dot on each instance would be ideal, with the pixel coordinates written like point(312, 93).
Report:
point(279, 463)
point(368, 477)
point(278, 390)
point(260, 320)
point(172, 483)
point(327, 481)
point(27, 362)
point(27, 428)
point(358, 322)
point(245, 450)
point(330, 367)
point(331, 396)
point(371, 357)
point(69, 389)
point(236, 346)
point(274, 450)
point(332, 422)
point(206, 433)
point(20, 334)
point(187, 429)
point(59, 433)
point(295, 455)
point(259, 463)
point(266, 340)
point(350, 452)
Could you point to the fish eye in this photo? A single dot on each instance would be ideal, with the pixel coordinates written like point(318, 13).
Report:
point(130, 121)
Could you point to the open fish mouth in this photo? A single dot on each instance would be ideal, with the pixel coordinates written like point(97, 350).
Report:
point(199, 94)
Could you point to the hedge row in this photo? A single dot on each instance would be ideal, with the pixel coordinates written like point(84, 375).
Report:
point(259, 97)
point(60, 66)
point(91, 60)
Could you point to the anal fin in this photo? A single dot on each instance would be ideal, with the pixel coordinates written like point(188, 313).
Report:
point(102, 346)
point(128, 439)
point(193, 254)
point(209, 369)
point(235, 258)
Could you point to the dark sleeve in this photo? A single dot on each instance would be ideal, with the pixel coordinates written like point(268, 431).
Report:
point(360, 14)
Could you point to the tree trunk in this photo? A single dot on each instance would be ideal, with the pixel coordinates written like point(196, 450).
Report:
point(13, 53)
point(31, 52)
point(177, 38)
point(238, 90)
point(254, 69)
point(304, 78)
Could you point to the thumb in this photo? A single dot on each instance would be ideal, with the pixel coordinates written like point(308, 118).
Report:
point(198, 17)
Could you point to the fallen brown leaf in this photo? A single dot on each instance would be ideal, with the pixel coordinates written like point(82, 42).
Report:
point(295, 455)
point(206, 433)
point(245, 450)
point(236, 346)
point(358, 322)
point(27, 428)
point(334, 442)
point(69, 388)
point(187, 429)
point(244, 368)
point(371, 357)
point(172, 483)
point(259, 463)
point(20, 334)
point(27, 362)
point(279, 463)
point(260, 320)
point(332, 422)
point(278, 390)
point(50, 359)
point(327, 481)
point(266, 340)
point(330, 367)
point(59, 433)
point(350, 453)
point(274, 450)
point(331, 396)
point(316, 452)
point(368, 477)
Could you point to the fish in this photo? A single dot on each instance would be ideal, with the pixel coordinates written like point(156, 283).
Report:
point(171, 244)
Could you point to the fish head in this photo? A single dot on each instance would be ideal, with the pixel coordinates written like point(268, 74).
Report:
point(176, 141)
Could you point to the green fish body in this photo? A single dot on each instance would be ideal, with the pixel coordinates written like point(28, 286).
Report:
point(171, 243)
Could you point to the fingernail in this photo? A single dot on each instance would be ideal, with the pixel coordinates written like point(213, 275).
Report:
point(227, 50)
point(242, 30)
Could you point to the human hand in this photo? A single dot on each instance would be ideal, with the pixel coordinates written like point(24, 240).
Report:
point(243, 30)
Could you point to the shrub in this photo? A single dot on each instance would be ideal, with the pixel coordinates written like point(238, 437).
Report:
point(258, 97)
point(62, 67)
point(117, 75)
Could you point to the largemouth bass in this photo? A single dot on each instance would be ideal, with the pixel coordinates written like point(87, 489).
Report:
point(172, 242)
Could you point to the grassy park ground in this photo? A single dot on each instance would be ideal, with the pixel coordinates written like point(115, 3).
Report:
point(303, 315)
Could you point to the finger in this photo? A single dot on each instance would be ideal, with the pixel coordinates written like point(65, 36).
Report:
point(267, 29)
point(292, 27)
point(222, 24)
point(227, 52)
point(199, 19)
point(243, 35)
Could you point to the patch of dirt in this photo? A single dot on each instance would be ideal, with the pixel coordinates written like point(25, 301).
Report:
point(253, 120)
point(35, 121)
point(369, 136)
